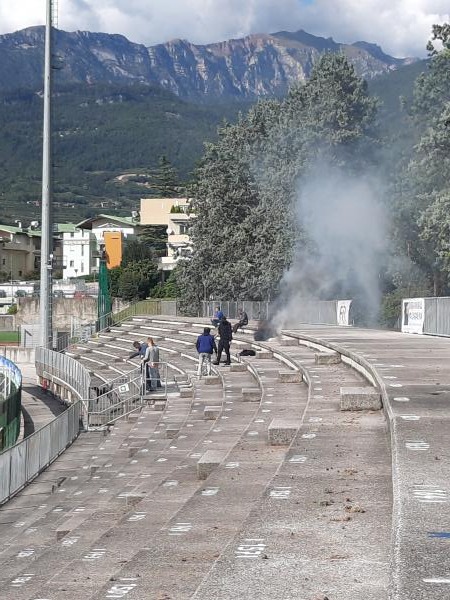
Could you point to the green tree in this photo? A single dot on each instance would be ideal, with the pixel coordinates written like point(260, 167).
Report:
point(244, 191)
point(168, 288)
point(424, 197)
point(164, 180)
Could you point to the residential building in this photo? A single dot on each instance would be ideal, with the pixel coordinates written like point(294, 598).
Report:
point(79, 251)
point(107, 224)
point(20, 251)
point(173, 212)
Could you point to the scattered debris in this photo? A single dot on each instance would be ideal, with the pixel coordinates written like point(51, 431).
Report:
point(354, 509)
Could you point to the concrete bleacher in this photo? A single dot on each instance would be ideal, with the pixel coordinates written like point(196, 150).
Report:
point(128, 514)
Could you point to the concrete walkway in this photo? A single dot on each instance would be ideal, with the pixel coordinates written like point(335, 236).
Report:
point(38, 407)
point(413, 373)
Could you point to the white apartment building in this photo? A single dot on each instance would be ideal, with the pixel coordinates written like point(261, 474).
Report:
point(79, 249)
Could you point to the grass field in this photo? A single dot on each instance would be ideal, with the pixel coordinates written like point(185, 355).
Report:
point(9, 337)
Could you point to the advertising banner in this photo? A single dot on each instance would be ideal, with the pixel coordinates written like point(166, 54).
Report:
point(413, 315)
point(343, 312)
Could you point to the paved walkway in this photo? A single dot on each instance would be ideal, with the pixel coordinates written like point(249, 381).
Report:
point(414, 374)
point(38, 407)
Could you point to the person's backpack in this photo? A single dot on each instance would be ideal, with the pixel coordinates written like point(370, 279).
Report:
point(247, 352)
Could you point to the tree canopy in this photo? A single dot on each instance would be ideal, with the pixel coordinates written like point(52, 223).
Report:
point(246, 232)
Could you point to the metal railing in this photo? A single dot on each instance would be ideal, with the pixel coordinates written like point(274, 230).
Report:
point(146, 307)
point(127, 394)
point(63, 370)
point(21, 463)
point(139, 308)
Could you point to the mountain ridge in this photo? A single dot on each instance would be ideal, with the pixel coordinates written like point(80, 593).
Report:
point(256, 66)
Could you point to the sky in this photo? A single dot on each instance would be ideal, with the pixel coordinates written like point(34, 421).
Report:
point(401, 27)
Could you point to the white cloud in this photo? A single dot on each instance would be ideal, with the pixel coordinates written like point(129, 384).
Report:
point(401, 27)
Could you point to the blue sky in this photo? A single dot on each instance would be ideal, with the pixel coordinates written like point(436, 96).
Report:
point(401, 27)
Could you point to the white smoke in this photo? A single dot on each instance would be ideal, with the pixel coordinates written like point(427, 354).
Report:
point(342, 245)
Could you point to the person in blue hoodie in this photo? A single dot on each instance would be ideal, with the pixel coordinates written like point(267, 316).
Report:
point(218, 316)
point(205, 345)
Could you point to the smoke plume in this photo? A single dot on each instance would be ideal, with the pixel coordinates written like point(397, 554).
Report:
point(341, 246)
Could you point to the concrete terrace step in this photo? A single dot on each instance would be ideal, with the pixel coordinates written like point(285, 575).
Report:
point(157, 531)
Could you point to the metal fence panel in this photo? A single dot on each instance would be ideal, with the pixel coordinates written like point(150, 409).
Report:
point(54, 438)
point(314, 312)
point(65, 368)
point(169, 307)
point(44, 450)
point(33, 455)
point(18, 475)
point(5, 471)
point(437, 316)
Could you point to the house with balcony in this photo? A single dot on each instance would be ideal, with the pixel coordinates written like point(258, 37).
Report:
point(174, 213)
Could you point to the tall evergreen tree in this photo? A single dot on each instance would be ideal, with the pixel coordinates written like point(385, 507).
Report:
point(164, 180)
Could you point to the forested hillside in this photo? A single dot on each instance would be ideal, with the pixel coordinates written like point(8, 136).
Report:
point(101, 132)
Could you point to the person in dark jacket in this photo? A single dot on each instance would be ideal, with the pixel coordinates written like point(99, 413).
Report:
point(243, 321)
point(205, 345)
point(139, 349)
point(226, 335)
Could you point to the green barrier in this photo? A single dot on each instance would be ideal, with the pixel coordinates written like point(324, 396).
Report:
point(10, 403)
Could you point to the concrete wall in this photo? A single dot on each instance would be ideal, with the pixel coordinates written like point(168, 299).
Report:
point(8, 323)
point(17, 354)
point(65, 311)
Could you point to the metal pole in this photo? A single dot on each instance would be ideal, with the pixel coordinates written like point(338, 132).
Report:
point(47, 228)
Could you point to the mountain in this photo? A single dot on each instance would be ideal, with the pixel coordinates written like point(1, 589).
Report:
point(256, 66)
point(112, 115)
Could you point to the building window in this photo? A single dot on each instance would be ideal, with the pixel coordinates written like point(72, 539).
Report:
point(20, 273)
point(4, 261)
point(72, 234)
point(82, 266)
point(72, 263)
point(82, 249)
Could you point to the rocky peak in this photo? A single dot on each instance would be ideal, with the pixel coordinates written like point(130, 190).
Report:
point(258, 65)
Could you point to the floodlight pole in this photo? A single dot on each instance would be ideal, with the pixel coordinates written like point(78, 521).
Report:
point(46, 338)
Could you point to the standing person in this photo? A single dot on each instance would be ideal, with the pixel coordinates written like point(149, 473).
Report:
point(226, 336)
point(218, 316)
point(243, 321)
point(151, 365)
point(139, 349)
point(205, 345)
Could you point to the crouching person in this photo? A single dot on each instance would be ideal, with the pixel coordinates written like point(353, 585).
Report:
point(205, 345)
point(243, 321)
